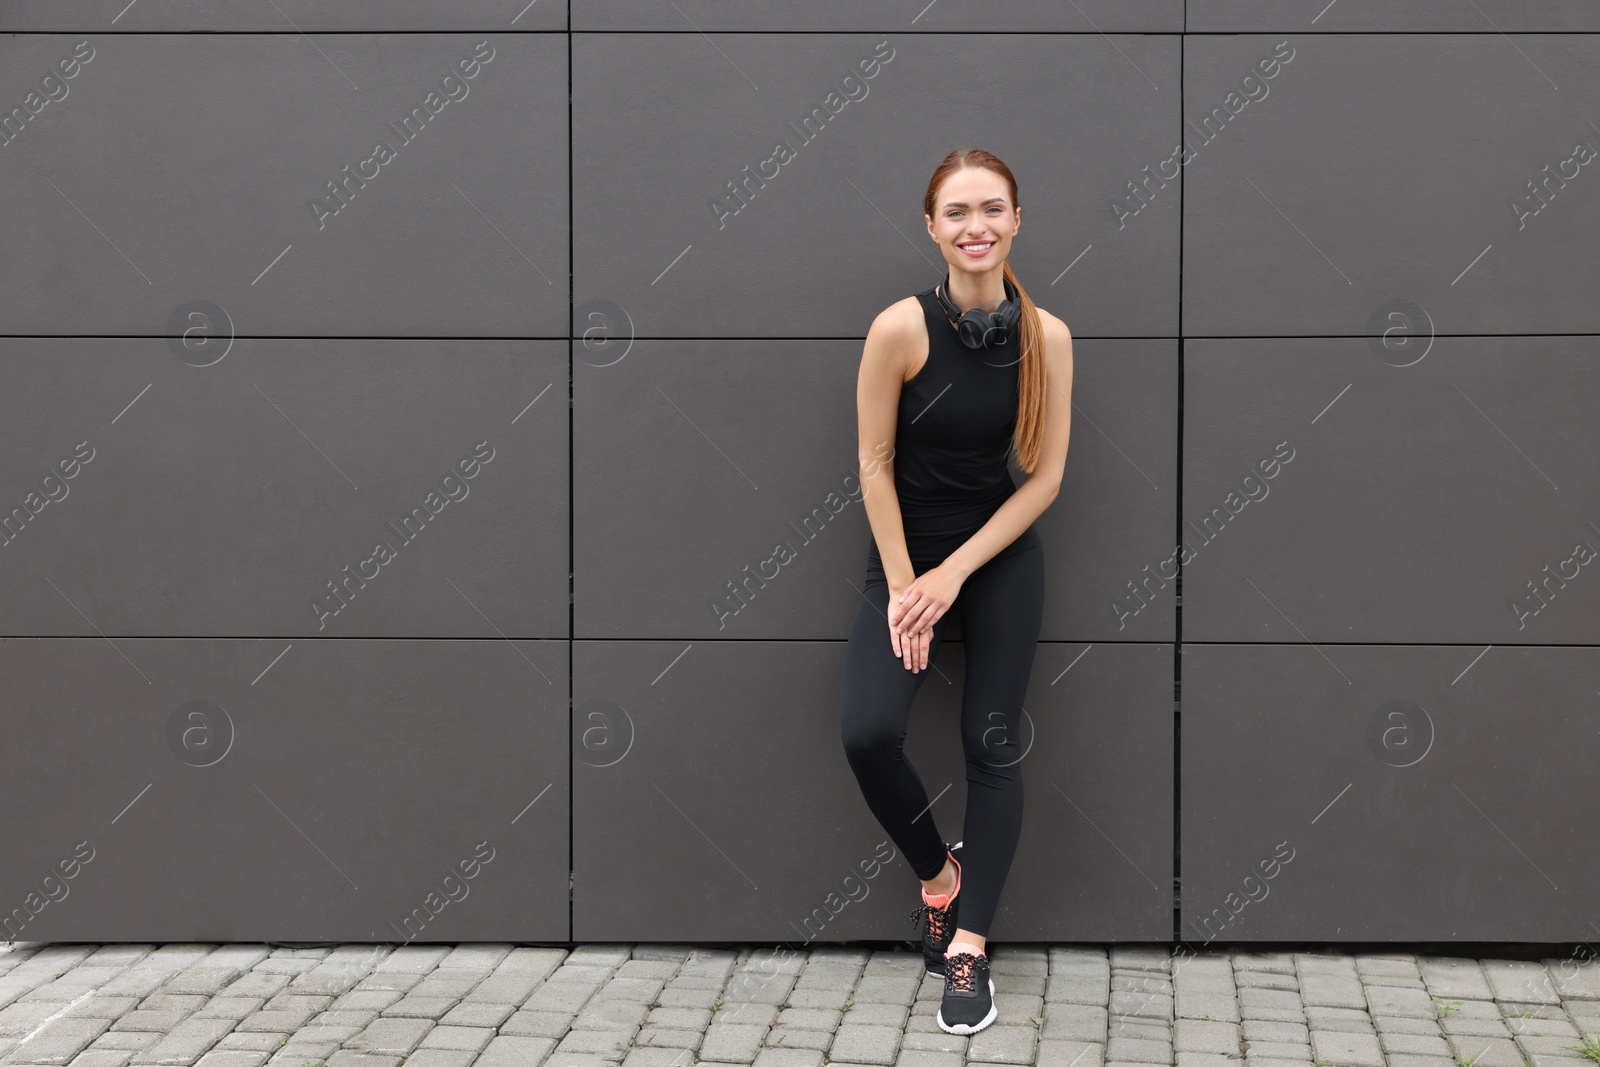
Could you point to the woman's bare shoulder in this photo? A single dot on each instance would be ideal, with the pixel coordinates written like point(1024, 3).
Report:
point(900, 321)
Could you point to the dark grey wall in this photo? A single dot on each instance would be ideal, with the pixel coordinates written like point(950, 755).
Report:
point(1329, 353)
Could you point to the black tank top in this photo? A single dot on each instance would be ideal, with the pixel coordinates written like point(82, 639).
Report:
point(952, 437)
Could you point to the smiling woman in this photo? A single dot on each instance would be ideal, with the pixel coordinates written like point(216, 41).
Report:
point(962, 378)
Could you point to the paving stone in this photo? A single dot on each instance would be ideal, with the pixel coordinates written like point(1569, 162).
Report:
point(927, 1058)
point(165, 1001)
point(610, 1044)
point(1551, 1046)
point(235, 1008)
point(1329, 991)
point(1399, 1024)
point(250, 1041)
point(1136, 1050)
point(1520, 981)
point(1542, 1028)
point(391, 1035)
point(398, 980)
point(460, 1038)
point(806, 1019)
point(782, 1037)
point(1280, 962)
point(411, 1007)
point(1206, 1059)
point(889, 989)
point(1395, 1000)
point(413, 959)
point(1454, 979)
point(20, 1020)
point(551, 1024)
point(257, 984)
point(441, 986)
point(1487, 1051)
point(135, 1039)
point(59, 1040)
point(206, 981)
point(347, 1058)
point(509, 989)
point(558, 998)
point(1274, 1030)
point(159, 1021)
point(1001, 1043)
point(1217, 1006)
point(1469, 1026)
point(279, 1022)
point(1517, 1014)
point(933, 1041)
point(1070, 1053)
point(732, 1043)
point(443, 1057)
point(101, 1057)
point(466, 1014)
point(1414, 1044)
point(102, 1007)
point(184, 1043)
point(746, 1013)
point(1201, 1035)
point(1075, 1022)
point(1265, 980)
point(1077, 990)
point(1345, 1020)
point(665, 1037)
point(1575, 979)
point(1402, 1059)
point(865, 1043)
point(788, 1057)
point(611, 1015)
point(232, 1058)
point(1279, 1050)
point(659, 1057)
point(1284, 1004)
point(1344, 1047)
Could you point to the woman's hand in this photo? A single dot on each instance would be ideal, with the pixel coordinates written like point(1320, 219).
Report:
point(914, 608)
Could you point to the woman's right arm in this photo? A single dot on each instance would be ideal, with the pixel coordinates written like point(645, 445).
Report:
point(885, 358)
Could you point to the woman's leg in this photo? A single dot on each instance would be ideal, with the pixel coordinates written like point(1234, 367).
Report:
point(1002, 605)
point(875, 707)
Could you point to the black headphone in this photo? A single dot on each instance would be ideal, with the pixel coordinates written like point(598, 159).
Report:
point(977, 328)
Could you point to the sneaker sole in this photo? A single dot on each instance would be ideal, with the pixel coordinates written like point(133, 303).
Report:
point(963, 1028)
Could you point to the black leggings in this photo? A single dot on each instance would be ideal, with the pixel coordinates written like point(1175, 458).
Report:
point(1000, 606)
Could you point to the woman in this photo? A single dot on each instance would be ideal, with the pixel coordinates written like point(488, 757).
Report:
point(956, 380)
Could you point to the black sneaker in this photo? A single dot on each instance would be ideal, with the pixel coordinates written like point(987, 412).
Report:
point(940, 925)
point(968, 1004)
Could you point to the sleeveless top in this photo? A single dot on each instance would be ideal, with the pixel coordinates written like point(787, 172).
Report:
point(953, 434)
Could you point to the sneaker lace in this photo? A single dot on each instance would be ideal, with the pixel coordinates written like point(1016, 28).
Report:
point(937, 918)
point(958, 970)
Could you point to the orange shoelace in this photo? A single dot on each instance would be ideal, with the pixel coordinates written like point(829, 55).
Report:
point(958, 970)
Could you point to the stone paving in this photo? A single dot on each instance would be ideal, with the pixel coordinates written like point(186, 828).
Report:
point(654, 1005)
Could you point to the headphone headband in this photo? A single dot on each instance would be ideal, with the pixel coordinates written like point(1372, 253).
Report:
point(976, 327)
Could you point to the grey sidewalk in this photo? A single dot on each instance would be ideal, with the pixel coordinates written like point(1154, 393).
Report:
point(647, 1005)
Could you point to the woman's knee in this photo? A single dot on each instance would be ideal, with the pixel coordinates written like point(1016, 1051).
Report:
point(867, 742)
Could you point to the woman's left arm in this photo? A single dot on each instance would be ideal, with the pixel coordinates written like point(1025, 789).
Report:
point(931, 595)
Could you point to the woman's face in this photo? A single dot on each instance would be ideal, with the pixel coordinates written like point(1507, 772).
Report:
point(974, 220)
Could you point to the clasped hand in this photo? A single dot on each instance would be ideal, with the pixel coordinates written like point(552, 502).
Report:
point(914, 608)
